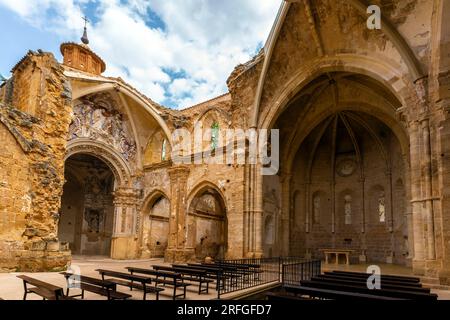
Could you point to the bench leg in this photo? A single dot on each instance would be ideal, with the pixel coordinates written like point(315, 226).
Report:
point(25, 290)
point(145, 291)
point(157, 295)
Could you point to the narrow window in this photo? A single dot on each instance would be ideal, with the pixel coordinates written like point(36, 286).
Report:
point(163, 150)
point(381, 208)
point(316, 211)
point(348, 209)
point(214, 135)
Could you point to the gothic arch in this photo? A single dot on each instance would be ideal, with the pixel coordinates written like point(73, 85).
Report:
point(381, 72)
point(203, 186)
point(111, 157)
point(389, 30)
point(207, 221)
point(135, 96)
point(153, 196)
point(154, 229)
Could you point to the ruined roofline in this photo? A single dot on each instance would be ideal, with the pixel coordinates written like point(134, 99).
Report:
point(85, 76)
point(29, 54)
point(207, 102)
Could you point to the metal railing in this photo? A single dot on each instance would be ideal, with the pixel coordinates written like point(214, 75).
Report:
point(294, 273)
point(242, 274)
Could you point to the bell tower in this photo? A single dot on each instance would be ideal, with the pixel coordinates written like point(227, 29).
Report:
point(80, 57)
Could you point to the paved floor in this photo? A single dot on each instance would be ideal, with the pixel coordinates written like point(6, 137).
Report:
point(11, 287)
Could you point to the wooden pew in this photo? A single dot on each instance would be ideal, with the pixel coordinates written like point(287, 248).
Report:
point(278, 296)
point(333, 294)
point(176, 279)
point(98, 286)
point(383, 281)
point(360, 283)
point(192, 275)
point(383, 276)
point(131, 281)
point(247, 270)
point(46, 290)
point(222, 274)
point(395, 293)
point(216, 274)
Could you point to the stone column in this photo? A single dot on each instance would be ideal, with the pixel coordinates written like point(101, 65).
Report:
point(258, 212)
point(416, 197)
point(253, 213)
point(177, 250)
point(428, 193)
point(125, 242)
point(285, 214)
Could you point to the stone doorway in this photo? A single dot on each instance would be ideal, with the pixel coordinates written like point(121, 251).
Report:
point(207, 225)
point(87, 207)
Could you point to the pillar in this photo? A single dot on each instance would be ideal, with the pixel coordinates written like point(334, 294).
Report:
point(177, 249)
point(125, 242)
point(416, 204)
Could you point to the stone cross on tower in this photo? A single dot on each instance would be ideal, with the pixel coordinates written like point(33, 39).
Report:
point(84, 38)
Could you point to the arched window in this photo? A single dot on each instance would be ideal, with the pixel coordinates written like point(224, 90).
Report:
point(316, 209)
point(382, 208)
point(348, 209)
point(214, 135)
point(164, 150)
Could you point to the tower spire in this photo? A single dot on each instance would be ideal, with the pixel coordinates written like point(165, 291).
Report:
point(84, 38)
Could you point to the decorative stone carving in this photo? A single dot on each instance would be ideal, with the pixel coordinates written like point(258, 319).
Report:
point(346, 168)
point(94, 218)
point(101, 121)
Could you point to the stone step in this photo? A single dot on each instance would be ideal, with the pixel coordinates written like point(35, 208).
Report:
point(433, 283)
point(429, 280)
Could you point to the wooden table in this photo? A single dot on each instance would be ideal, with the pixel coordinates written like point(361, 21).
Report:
point(337, 252)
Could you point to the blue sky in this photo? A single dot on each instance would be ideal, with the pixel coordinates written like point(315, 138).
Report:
point(177, 52)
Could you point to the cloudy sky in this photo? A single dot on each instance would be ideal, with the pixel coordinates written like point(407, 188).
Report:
point(178, 52)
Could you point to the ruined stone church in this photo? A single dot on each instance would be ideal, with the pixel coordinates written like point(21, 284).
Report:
point(364, 120)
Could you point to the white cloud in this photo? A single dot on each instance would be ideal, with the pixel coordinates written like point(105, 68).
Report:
point(202, 40)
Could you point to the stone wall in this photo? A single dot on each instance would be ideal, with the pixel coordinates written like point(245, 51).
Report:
point(35, 128)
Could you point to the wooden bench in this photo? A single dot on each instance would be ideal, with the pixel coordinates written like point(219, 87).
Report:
point(192, 275)
point(223, 272)
point(98, 286)
point(359, 283)
point(337, 253)
point(176, 279)
point(334, 294)
point(246, 270)
point(131, 281)
point(383, 276)
point(46, 290)
point(278, 296)
point(395, 293)
point(212, 274)
point(383, 281)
